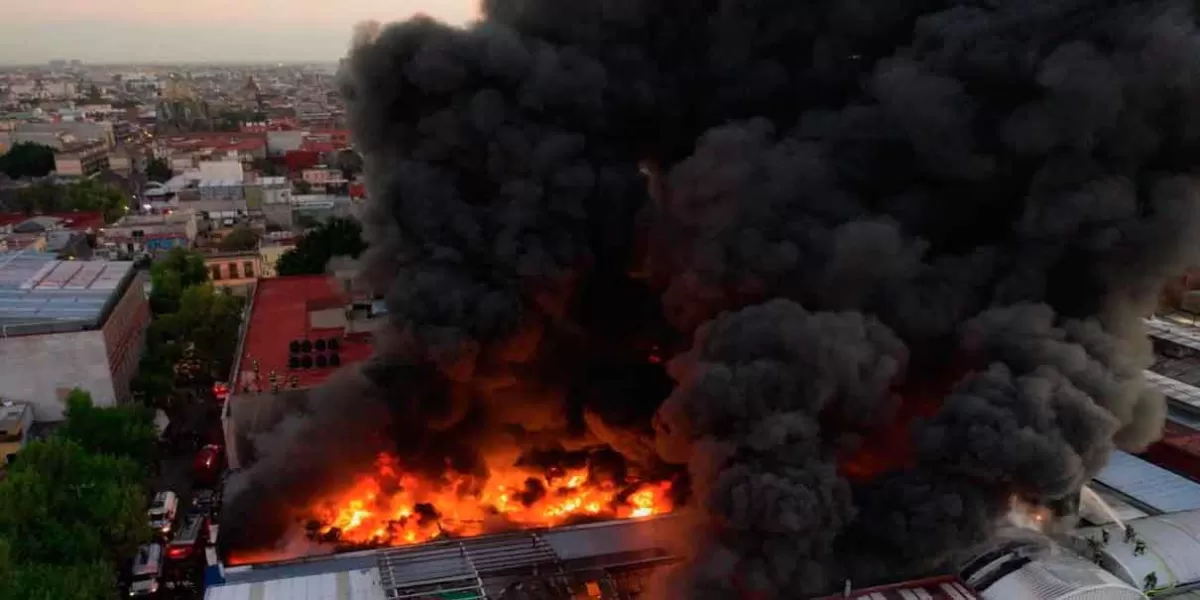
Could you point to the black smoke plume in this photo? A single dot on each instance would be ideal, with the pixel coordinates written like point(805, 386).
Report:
point(910, 243)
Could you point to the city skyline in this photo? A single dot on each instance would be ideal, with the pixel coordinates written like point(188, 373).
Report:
point(144, 31)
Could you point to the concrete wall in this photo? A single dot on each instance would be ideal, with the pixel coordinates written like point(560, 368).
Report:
point(42, 369)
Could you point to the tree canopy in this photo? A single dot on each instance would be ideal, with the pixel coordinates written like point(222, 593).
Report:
point(195, 328)
point(335, 237)
point(126, 430)
point(178, 270)
point(27, 159)
point(72, 506)
point(240, 239)
point(83, 195)
point(204, 329)
point(158, 169)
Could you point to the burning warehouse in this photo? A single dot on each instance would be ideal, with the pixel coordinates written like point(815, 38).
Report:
point(834, 281)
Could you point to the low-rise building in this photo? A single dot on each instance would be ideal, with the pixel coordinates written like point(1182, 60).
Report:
point(65, 132)
point(138, 233)
point(81, 160)
point(67, 234)
point(272, 249)
point(235, 270)
point(15, 420)
point(323, 176)
point(69, 324)
point(228, 168)
point(222, 190)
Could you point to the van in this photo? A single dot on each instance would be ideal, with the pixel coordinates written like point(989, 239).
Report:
point(146, 570)
point(163, 509)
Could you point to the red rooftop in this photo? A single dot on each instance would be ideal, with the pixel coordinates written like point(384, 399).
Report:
point(301, 308)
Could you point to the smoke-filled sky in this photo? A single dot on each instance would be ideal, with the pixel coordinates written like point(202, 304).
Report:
point(199, 30)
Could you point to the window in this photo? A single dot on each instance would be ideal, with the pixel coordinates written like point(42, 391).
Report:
point(216, 272)
point(233, 270)
point(248, 268)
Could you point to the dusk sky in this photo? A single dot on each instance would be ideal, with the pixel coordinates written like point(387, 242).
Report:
point(199, 30)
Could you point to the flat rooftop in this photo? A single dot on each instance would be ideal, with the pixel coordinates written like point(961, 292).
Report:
point(38, 291)
point(279, 313)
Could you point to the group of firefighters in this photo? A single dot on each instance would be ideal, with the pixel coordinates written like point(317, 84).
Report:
point(1139, 549)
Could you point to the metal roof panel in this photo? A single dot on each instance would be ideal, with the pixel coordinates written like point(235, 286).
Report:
point(1150, 484)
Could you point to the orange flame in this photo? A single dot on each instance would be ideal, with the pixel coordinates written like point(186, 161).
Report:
point(392, 507)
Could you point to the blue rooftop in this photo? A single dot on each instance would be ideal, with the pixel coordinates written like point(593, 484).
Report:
point(37, 289)
point(1150, 484)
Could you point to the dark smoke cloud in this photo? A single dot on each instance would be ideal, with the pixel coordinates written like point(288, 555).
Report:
point(928, 224)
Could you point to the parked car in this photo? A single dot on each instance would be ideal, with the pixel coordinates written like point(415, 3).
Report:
point(163, 510)
point(189, 540)
point(208, 464)
point(146, 571)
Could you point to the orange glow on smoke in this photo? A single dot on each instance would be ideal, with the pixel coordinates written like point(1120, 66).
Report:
point(890, 446)
point(394, 508)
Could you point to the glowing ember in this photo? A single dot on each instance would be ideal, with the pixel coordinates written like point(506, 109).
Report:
point(391, 507)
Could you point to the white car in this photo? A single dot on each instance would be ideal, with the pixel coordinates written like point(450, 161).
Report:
point(146, 569)
point(162, 513)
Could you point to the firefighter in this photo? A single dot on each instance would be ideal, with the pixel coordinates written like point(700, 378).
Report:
point(1129, 535)
point(1104, 536)
point(1151, 581)
point(1139, 548)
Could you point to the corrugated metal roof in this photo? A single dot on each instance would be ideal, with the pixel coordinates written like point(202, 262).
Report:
point(1059, 576)
point(598, 539)
point(358, 584)
point(39, 288)
point(1172, 549)
point(1187, 337)
point(1174, 389)
point(1150, 484)
point(935, 588)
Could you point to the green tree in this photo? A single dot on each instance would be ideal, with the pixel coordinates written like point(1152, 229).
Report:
point(206, 324)
point(61, 505)
point(41, 197)
point(88, 581)
point(94, 195)
point(126, 431)
point(178, 270)
point(27, 159)
point(154, 381)
point(240, 239)
point(158, 169)
point(303, 187)
point(335, 237)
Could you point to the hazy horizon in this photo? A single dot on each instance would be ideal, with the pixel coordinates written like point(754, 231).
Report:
point(249, 31)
